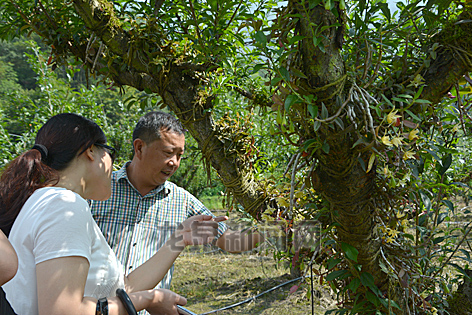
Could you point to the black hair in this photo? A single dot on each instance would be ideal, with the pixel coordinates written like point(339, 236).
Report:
point(62, 138)
point(150, 125)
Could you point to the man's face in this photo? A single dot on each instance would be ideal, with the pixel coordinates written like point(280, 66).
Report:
point(161, 158)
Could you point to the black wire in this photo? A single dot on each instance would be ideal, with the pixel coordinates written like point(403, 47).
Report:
point(252, 298)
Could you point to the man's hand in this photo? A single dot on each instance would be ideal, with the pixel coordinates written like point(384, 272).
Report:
point(198, 230)
point(239, 241)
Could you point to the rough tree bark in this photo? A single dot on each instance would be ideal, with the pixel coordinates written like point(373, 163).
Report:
point(339, 176)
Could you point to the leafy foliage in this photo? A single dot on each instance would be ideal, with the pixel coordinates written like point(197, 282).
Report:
point(336, 108)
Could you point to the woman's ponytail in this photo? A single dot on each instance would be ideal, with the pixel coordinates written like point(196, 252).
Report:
point(19, 180)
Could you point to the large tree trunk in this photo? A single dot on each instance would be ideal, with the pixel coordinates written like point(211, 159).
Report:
point(339, 177)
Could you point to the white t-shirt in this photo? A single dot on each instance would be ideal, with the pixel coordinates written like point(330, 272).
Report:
point(56, 222)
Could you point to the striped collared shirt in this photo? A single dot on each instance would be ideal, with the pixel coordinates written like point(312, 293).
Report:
point(137, 226)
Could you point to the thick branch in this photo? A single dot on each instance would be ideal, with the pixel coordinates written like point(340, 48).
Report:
point(454, 58)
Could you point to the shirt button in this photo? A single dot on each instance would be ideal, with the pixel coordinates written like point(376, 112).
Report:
point(134, 244)
point(130, 267)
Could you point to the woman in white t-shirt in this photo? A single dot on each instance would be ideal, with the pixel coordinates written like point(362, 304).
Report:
point(65, 264)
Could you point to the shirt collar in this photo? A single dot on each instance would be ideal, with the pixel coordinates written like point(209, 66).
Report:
point(122, 174)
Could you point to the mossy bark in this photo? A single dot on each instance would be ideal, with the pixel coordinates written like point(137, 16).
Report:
point(339, 177)
point(454, 57)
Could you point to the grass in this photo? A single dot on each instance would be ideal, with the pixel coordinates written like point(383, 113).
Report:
point(214, 280)
point(211, 279)
point(212, 202)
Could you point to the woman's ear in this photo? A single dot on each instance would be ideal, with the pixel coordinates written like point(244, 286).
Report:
point(90, 153)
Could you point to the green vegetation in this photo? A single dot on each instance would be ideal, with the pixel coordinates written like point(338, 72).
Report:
point(30, 93)
point(343, 117)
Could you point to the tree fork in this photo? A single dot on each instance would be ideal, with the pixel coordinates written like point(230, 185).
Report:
point(179, 91)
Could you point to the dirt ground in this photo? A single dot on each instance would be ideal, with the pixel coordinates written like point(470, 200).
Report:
point(213, 280)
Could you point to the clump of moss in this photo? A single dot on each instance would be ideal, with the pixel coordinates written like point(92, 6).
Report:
point(459, 304)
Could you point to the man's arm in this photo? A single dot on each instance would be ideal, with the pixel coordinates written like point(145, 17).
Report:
point(239, 241)
point(196, 230)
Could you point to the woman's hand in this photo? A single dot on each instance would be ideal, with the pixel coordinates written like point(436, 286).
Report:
point(198, 230)
point(165, 302)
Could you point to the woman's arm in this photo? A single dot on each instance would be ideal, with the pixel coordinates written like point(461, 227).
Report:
point(8, 260)
point(61, 283)
point(196, 230)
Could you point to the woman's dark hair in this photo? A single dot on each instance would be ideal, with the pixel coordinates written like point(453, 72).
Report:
point(64, 137)
point(150, 125)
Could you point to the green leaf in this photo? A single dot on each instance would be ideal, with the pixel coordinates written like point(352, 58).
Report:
point(446, 163)
point(324, 111)
point(426, 200)
point(385, 10)
point(362, 140)
point(441, 217)
point(362, 163)
point(284, 72)
point(422, 101)
point(372, 298)
point(401, 100)
point(313, 110)
point(434, 155)
point(327, 4)
point(354, 284)
point(298, 73)
point(449, 204)
point(257, 68)
point(405, 96)
point(337, 274)
point(367, 280)
point(275, 80)
point(358, 307)
point(333, 262)
point(460, 269)
point(295, 39)
point(387, 100)
point(261, 38)
point(466, 253)
point(412, 115)
point(438, 240)
point(418, 93)
point(325, 148)
point(339, 122)
point(313, 3)
point(309, 143)
point(290, 100)
point(350, 251)
point(392, 303)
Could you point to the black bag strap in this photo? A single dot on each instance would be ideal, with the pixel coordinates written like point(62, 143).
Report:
point(5, 307)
